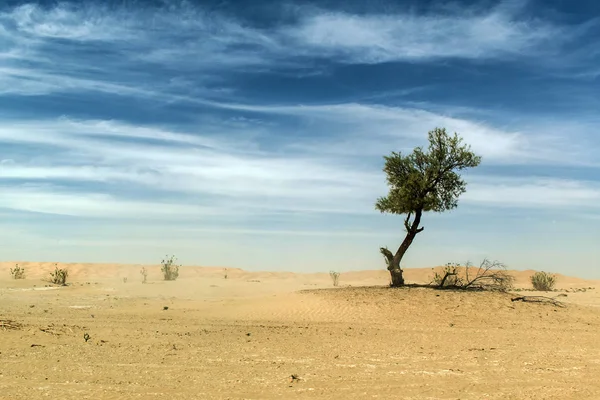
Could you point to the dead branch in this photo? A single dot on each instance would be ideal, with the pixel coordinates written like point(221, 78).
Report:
point(446, 276)
point(387, 254)
point(490, 275)
point(8, 324)
point(539, 299)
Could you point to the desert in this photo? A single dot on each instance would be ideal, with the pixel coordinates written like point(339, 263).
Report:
point(272, 335)
point(233, 199)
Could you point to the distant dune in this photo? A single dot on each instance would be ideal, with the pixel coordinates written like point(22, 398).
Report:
point(104, 272)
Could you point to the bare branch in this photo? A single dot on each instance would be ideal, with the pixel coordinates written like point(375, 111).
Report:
point(489, 276)
point(387, 254)
point(446, 275)
point(539, 299)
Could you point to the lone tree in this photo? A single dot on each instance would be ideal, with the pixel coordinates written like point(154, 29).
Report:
point(423, 181)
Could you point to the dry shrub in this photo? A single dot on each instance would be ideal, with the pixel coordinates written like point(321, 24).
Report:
point(448, 277)
point(335, 277)
point(59, 276)
point(543, 281)
point(490, 275)
point(144, 273)
point(17, 272)
point(169, 269)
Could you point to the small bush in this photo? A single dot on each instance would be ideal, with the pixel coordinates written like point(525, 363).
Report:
point(225, 273)
point(59, 276)
point(543, 281)
point(169, 269)
point(448, 277)
point(144, 273)
point(335, 277)
point(17, 272)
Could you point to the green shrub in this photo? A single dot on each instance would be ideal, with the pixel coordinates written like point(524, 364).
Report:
point(17, 272)
point(543, 281)
point(59, 276)
point(169, 269)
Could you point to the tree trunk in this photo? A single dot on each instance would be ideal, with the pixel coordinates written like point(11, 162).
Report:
point(396, 273)
point(397, 277)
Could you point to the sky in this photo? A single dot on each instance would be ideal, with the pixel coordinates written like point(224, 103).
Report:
point(252, 134)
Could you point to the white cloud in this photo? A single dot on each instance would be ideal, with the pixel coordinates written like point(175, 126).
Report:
point(69, 21)
point(189, 164)
point(42, 45)
point(207, 39)
point(191, 168)
point(48, 200)
point(373, 130)
point(384, 37)
point(533, 192)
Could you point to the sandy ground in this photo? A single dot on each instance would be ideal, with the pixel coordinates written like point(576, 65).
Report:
point(245, 336)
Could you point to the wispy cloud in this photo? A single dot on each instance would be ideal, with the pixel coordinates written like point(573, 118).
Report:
point(365, 129)
point(533, 192)
point(382, 38)
point(49, 200)
point(183, 167)
point(52, 38)
point(180, 163)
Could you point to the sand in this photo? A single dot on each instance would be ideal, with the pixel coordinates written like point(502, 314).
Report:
point(244, 337)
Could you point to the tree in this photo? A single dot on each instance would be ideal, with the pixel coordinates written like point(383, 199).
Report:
point(423, 181)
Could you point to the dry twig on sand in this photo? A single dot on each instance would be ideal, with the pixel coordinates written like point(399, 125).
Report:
point(8, 324)
point(539, 299)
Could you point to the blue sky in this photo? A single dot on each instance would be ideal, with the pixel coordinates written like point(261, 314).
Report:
point(252, 136)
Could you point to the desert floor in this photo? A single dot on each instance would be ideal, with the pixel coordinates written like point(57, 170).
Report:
point(245, 336)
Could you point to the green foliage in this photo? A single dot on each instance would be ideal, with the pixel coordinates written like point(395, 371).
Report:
point(59, 276)
point(86, 337)
point(335, 277)
point(543, 281)
point(427, 180)
point(144, 273)
point(169, 269)
point(17, 272)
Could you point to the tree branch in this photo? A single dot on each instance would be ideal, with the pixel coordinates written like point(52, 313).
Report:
point(387, 255)
point(440, 176)
point(407, 226)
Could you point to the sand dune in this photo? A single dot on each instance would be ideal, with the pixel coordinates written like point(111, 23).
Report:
point(207, 337)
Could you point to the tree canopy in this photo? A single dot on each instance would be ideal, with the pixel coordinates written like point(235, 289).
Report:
point(427, 180)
